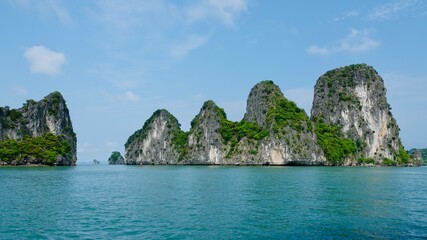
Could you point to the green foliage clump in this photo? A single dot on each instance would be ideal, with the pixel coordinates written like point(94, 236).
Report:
point(253, 151)
point(363, 160)
point(15, 115)
point(235, 131)
point(55, 99)
point(232, 132)
point(334, 145)
point(388, 162)
point(179, 141)
point(285, 113)
point(114, 156)
point(402, 157)
point(5, 124)
point(43, 149)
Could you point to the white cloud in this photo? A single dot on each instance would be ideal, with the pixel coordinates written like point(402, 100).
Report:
point(131, 13)
point(45, 8)
point(191, 43)
point(131, 96)
point(162, 22)
point(44, 61)
point(356, 41)
point(359, 41)
point(347, 15)
point(224, 10)
point(313, 49)
point(135, 13)
point(389, 10)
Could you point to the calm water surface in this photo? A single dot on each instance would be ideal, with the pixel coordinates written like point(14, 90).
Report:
point(186, 202)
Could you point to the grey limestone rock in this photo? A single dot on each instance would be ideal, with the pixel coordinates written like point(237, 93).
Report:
point(154, 143)
point(49, 115)
point(354, 98)
point(205, 144)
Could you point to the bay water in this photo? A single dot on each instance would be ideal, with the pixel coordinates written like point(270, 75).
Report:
point(212, 202)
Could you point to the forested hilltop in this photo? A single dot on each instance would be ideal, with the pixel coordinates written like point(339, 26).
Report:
point(351, 124)
point(39, 133)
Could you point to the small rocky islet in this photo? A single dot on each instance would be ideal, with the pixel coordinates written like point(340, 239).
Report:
point(351, 124)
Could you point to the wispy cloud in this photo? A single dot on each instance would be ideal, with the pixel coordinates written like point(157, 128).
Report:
point(359, 41)
point(350, 14)
point(392, 9)
point(44, 61)
point(355, 42)
point(313, 49)
point(192, 42)
point(224, 10)
point(132, 13)
point(135, 13)
point(162, 21)
point(132, 97)
point(45, 8)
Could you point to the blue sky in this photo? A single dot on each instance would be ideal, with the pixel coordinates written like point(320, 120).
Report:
point(117, 61)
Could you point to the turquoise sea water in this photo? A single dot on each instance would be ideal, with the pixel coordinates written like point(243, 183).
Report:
point(189, 202)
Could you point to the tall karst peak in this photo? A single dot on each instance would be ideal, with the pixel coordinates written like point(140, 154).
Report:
point(46, 122)
point(351, 124)
point(205, 145)
point(156, 141)
point(261, 97)
point(354, 98)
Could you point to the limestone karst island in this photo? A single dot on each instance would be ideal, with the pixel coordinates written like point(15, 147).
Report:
point(351, 124)
point(39, 133)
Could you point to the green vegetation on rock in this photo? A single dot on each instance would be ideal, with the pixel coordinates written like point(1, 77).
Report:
point(285, 113)
point(115, 156)
point(334, 145)
point(402, 157)
point(179, 141)
point(44, 149)
point(232, 132)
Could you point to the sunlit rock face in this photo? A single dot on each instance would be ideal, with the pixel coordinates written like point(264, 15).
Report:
point(354, 97)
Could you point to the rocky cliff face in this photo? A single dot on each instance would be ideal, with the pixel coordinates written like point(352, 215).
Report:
point(351, 124)
point(354, 98)
point(157, 142)
point(262, 97)
point(39, 119)
point(274, 131)
point(291, 139)
point(205, 144)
